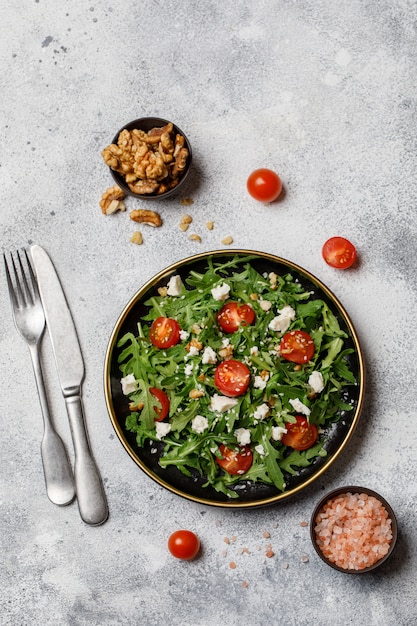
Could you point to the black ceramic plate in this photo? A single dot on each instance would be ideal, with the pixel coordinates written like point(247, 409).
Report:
point(250, 494)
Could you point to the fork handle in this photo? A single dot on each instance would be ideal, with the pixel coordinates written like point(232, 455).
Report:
point(57, 470)
point(91, 499)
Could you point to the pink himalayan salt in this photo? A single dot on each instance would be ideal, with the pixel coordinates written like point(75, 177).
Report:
point(353, 531)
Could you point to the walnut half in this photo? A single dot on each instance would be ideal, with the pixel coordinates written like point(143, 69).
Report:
point(146, 216)
point(112, 200)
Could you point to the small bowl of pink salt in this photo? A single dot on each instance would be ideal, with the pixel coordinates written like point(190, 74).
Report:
point(353, 529)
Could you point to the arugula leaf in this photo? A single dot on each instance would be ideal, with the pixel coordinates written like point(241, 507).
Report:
point(297, 459)
point(335, 347)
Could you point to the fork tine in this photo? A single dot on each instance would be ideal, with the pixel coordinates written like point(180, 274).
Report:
point(9, 281)
point(22, 284)
point(32, 277)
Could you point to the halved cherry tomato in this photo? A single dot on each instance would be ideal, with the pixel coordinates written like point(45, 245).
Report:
point(264, 185)
point(164, 332)
point(338, 252)
point(235, 461)
point(297, 346)
point(233, 315)
point(232, 378)
point(163, 410)
point(184, 544)
point(301, 435)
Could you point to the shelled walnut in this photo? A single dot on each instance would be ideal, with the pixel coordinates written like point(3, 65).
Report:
point(146, 216)
point(151, 162)
point(112, 200)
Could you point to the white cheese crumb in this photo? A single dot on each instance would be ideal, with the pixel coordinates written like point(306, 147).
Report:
point(209, 356)
point(188, 369)
point(254, 351)
point(199, 424)
point(265, 305)
point(259, 382)
point(298, 406)
point(283, 320)
point(316, 381)
point(184, 335)
point(162, 429)
point(277, 433)
point(260, 449)
point(174, 286)
point(193, 351)
point(243, 436)
point(221, 292)
point(225, 342)
point(129, 384)
point(222, 403)
point(261, 412)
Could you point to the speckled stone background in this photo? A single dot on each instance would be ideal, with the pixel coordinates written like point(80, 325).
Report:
point(324, 93)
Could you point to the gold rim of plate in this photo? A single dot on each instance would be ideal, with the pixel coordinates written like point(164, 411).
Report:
point(292, 267)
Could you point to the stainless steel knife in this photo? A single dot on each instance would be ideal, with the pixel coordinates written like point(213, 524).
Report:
point(91, 498)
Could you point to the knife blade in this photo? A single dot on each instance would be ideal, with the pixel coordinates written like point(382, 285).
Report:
point(91, 498)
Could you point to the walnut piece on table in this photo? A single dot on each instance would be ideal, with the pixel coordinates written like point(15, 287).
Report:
point(146, 216)
point(112, 200)
point(137, 238)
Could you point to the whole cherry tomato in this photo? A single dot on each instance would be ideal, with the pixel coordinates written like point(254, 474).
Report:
point(184, 544)
point(264, 185)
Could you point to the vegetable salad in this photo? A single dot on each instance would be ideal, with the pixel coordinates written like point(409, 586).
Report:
point(177, 395)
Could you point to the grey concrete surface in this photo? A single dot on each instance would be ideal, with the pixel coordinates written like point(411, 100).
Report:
point(324, 93)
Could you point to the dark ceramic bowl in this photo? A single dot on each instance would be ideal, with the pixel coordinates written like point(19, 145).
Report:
point(354, 490)
point(193, 487)
point(146, 124)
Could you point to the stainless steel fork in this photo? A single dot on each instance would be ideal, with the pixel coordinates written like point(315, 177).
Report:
point(29, 319)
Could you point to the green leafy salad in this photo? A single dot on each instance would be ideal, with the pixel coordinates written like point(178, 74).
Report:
point(207, 417)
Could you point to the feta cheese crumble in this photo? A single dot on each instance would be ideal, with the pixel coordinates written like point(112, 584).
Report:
point(162, 429)
point(277, 433)
point(209, 356)
point(129, 384)
point(199, 424)
point(282, 322)
point(188, 369)
point(222, 403)
point(298, 406)
point(316, 381)
point(221, 292)
point(260, 382)
point(261, 412)
point(174, 286)
point(260, 450)
point(243, 436)
point(265, 305)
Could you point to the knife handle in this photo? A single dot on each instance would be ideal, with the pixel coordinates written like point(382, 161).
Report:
point(92, 502)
